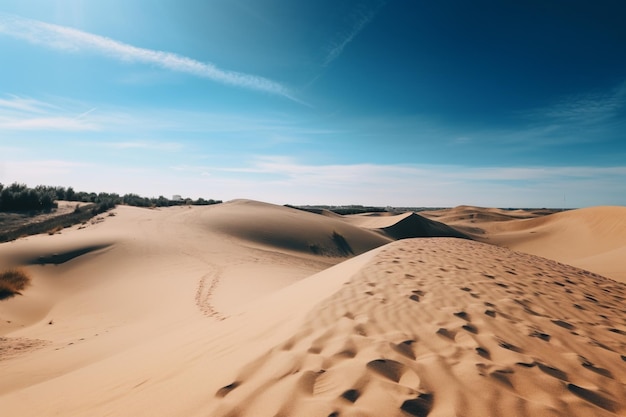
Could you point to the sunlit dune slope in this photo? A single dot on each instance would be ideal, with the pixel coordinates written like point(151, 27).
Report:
point(469, 219)
point(447, 327)
point(290, 229)
point(107, 285)
point(591, 238)
point(421, 327)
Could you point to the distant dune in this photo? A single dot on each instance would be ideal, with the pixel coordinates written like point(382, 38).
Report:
point(590, 238)
point(409, 225)
point(251, 309)
point(274, 226)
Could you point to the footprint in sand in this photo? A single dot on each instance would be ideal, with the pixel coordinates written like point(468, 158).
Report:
point(593, 397)
point(463, 315)
point(541, 335)
point(404, 348)
point(564, 324)
point(470, 328)
point(589, 365)
point(388, 368)
point(502, 376)
point(483, 352)
point(618, 331)
point(448, 334)
point(225, 390)
point(420, 406)
point(351, 395)
point(394, 371)
point(509, 346)
point(553, 372)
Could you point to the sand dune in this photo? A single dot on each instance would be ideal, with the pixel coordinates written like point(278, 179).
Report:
point(591, 238)
point(273, 226)
point(403, 226)
point(251, 309)
point(121, 279)
point(470, 219)
point(447, 327)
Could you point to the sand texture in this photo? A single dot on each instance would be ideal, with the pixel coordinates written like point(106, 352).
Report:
point(250, 309)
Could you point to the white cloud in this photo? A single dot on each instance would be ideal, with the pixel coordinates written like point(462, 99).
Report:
point(47, 123)
point(73, 40)
point(284, 180)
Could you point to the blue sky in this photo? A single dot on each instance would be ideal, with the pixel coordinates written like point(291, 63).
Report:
point(493, 103)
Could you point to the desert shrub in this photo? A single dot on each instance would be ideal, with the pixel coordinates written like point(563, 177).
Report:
point(19, 197)
point(12, 282)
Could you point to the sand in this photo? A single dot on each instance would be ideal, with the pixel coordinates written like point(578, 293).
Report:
point(251, 309)
point(591, 238)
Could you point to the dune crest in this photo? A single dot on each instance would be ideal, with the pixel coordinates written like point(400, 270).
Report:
point(403, 226)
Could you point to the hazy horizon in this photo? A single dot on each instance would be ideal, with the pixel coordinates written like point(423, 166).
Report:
point(368, 102)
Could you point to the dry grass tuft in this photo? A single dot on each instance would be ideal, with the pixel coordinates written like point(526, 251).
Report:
point(12, 282)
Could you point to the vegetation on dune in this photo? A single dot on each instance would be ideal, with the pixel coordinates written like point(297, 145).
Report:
point(19, 197)
point(138, 201)
point(27, 211)
point(13, 282)
point(343, 210)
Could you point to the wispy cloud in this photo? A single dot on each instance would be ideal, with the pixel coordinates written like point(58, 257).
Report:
point(359, 20)
point(25, 104)
point(23, 113)
point(47, 123)
point(285, 180)
point(288, 167)
point(138, 145)
point(587, 108)
point(73, 40)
